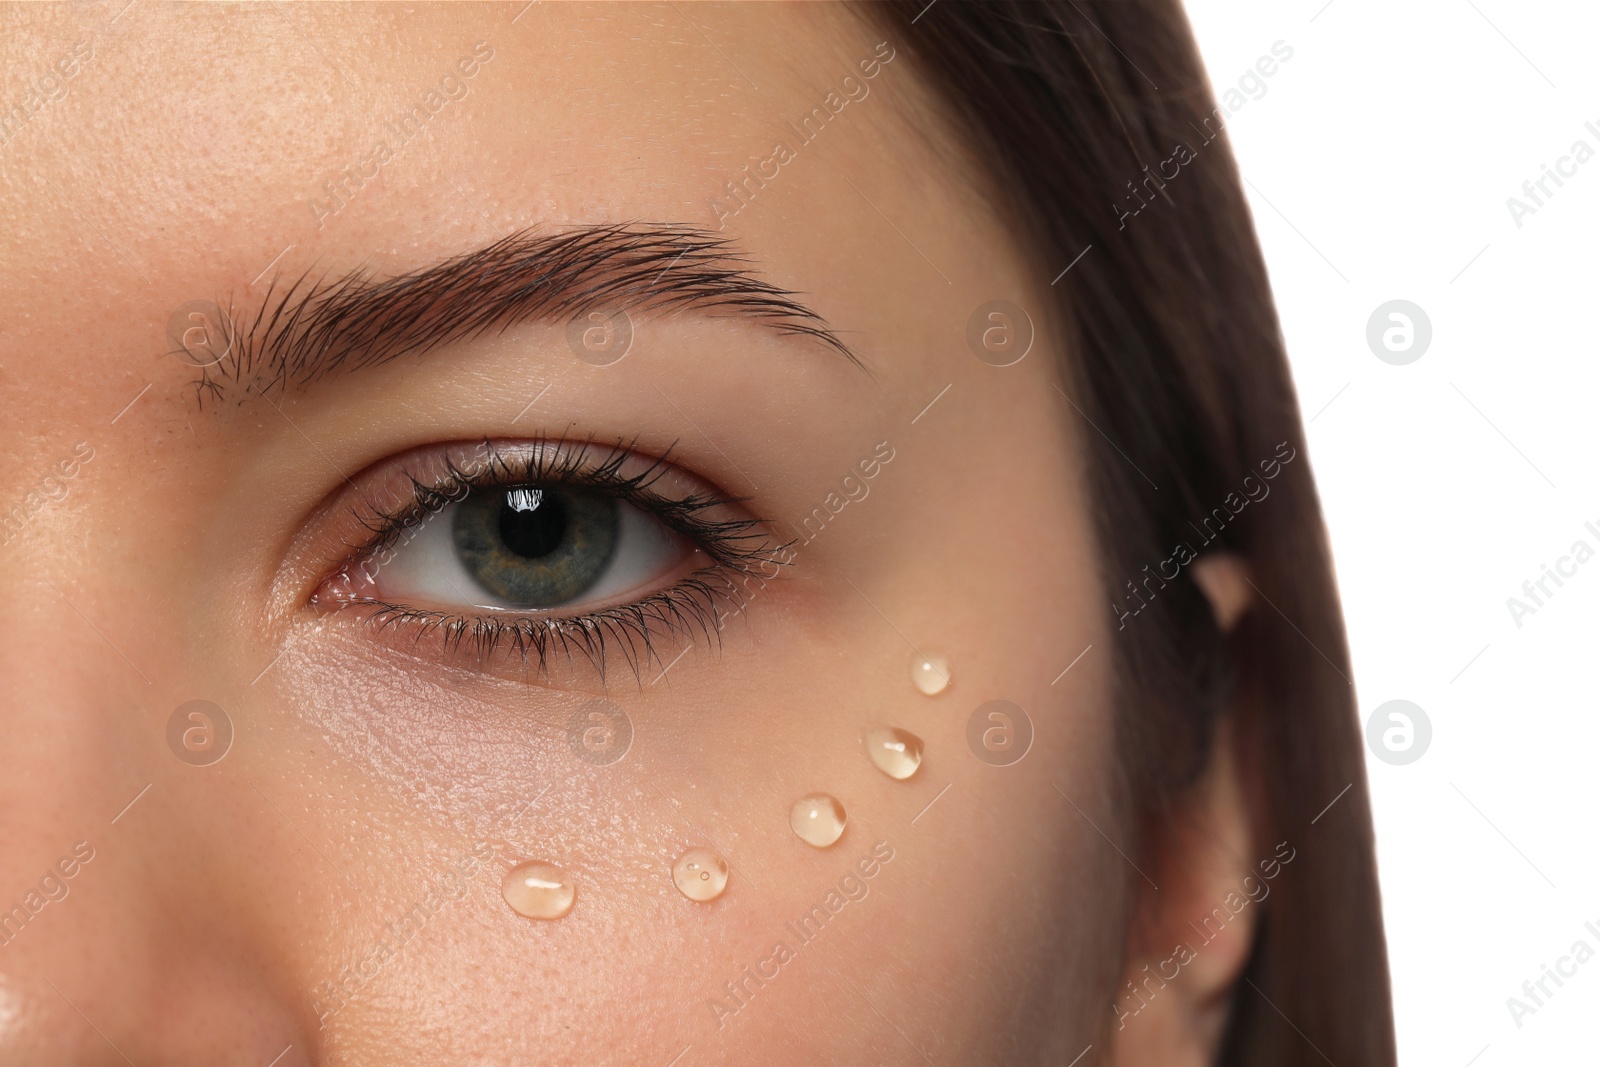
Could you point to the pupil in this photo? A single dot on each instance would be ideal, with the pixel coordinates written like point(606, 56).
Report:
point(536, 531)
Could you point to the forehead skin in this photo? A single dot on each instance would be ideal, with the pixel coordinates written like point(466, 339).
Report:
point(189, 159)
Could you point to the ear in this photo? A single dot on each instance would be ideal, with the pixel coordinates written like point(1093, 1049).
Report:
point(1225, 580)
point(1190, 938)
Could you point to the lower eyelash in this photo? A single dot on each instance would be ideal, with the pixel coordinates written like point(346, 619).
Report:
point(688, 609)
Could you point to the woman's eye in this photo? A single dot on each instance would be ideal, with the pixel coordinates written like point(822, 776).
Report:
point(530, 548)
point(539, 547)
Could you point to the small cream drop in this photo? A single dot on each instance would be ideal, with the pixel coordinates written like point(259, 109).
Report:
point(700, 874)
point(818, 820)
point(930, 674)
point(539, 890)
point(896, 753)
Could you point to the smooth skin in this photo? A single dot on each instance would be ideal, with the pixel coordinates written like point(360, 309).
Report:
point(180, 563)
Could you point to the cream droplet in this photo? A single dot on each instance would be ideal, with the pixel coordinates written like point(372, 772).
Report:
point(539, 890)
point(896, 753)
point(818, 820)
point(930, 674)
point(700, 874)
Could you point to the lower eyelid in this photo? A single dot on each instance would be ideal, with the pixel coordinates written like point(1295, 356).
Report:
point(563, 650)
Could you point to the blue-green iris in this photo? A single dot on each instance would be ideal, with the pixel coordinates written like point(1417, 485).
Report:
point(536, 546)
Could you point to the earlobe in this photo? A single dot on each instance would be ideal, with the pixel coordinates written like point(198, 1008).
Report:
point(1225, 580)
point(1192, 937)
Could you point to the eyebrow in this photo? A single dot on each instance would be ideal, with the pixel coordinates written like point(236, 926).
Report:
point(310, 330)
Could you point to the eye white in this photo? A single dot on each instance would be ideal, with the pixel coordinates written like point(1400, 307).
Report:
point(424, 567)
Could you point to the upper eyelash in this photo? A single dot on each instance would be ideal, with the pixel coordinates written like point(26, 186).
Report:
point(737, 546)
point(735, 542)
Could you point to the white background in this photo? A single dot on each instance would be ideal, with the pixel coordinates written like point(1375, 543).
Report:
point(1379, 163)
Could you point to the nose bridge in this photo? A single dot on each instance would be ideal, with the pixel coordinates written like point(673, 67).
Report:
point(111, 944)
point(65, 762)
point(67, 724)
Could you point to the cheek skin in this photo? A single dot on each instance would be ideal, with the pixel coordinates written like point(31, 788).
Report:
point(722, 766)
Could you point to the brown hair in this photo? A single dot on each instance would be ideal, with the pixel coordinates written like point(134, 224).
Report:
point(1178, 363)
